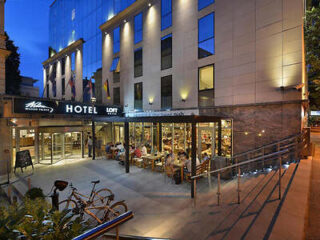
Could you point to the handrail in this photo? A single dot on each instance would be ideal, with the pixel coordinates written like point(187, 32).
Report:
point(295, 144)
point(266, 146)
point(242, 163)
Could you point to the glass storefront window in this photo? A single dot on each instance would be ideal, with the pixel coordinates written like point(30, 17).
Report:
point(226, 138)
point(179, 138)
point(167, 137)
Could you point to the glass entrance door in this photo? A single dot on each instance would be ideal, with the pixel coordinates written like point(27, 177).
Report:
point(72, 144)
point(206, 142)
point(57, 146)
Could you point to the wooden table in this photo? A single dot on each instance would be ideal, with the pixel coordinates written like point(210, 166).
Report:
point(181, 166)
point(152, 159)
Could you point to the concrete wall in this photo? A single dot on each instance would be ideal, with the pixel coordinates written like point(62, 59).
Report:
point(258, 49)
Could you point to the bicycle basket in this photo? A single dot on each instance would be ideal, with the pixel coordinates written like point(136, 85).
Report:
point(60, 185)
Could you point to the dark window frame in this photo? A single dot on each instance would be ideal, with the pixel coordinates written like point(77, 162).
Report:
point(63, 66)
point(118, 96)
point(204, 91)
point(163, 56)
point(207, 39)
point(166, 107)
point(63, 86)
point(140, 107)
point(138, 65)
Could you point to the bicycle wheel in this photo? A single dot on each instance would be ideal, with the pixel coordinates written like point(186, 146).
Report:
point(116, 210)
point(101, 197)
point(67, 205)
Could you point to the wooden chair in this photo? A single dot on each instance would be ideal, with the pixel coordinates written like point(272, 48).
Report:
point(159, 166)
point(138, 162)
point(201, 168)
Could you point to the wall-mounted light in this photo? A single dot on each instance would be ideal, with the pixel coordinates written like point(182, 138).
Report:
point(151, 99)
point(297, 87)
point(184, 96)
point(124, 21)
point(183, 99)
point(263, 131)
point(260, 134)
point(149, 4)
point(246, 133)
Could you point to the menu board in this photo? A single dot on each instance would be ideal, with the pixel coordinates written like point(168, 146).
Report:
point(23, 160)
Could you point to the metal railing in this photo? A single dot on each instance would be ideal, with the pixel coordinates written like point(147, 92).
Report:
point(272, 154)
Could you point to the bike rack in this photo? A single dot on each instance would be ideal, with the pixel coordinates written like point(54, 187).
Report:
point(104, 227)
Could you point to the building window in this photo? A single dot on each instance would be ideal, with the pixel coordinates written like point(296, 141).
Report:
point(138, 63)
point(63, 86)
point(166, 14)
point(166, 52)
point(206, 36)
point(116, 96)
point(204, 3)
point(138, 96)
point(206, 86)
point(166, 92)
point(63, 66)
point(115, 68)
point(116, 40)
point(48, 89)
point(138, 28)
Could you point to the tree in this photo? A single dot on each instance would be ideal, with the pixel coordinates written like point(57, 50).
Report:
point(312, 43)
point(13, 78)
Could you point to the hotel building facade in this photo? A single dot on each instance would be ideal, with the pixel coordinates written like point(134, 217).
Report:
point(215, 76)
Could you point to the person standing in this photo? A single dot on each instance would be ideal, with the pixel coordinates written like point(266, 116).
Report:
point(89, 146)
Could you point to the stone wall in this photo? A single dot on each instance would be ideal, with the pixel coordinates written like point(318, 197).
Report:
point(257, 125)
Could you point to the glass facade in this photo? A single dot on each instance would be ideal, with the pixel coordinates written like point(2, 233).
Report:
point(204, 3)
point(138, 28)
point(166, 14)
point(166, 52)
point(206, 36)
point(74, 19)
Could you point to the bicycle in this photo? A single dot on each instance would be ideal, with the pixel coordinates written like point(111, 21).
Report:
point(97, 205)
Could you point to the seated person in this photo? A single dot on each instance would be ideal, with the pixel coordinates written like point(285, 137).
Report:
point(205, 157)
point(187, 162)
point(137, 152)
point(144, 151)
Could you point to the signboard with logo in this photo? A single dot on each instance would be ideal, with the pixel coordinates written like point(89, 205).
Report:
point(56, 107)
point(23, 160)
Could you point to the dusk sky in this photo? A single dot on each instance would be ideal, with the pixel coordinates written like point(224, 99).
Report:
point(27, 22)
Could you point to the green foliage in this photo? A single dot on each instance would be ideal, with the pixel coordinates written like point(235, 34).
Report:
point(34, 193)
point(312, 43)
point(35, 220)
point(13, 78)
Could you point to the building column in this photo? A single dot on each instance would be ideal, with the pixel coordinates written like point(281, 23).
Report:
point(193, 156)
point(126, 137)
point(36, 144)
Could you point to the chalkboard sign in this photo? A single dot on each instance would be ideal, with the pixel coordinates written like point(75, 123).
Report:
point(23, 160)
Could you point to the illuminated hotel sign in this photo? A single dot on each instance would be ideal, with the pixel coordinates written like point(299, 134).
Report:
point(315, 113)
point(56, 107)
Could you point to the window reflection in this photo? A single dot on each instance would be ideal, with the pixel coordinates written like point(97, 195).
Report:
point(206, 36)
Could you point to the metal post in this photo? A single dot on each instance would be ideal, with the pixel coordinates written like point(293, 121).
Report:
point(219, 189)
point(82, 144)
point(280, 164)
point(193, 156)
point(117, 232)
point(219, 138)
point(93, 140)
point(51, 153)
point(126, 137)
point(239, 181)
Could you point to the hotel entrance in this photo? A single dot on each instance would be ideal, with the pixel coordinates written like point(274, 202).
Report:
point(55, 144)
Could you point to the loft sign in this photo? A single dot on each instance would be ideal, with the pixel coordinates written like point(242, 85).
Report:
point(60, 107)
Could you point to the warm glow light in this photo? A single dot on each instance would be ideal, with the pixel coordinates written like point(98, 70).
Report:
point(263, 131)
point(184, 95)
point(151, 99)
point(259, 134)
point(246, 133)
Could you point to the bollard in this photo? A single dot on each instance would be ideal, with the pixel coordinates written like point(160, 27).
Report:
point(9, 193)
point(29, 183)
point(239, 190)
point(219, 190)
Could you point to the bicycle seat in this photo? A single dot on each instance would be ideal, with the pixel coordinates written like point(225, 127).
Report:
point(96, 182)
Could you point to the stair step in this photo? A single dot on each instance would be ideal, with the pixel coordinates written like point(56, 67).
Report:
point(261, 210)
